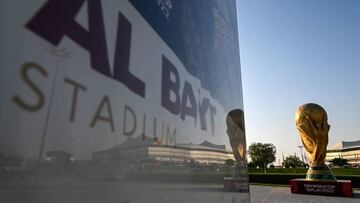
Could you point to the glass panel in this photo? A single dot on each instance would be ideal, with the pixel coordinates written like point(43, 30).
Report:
point(120, 101)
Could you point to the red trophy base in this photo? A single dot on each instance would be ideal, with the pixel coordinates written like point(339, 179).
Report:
point(322, 187)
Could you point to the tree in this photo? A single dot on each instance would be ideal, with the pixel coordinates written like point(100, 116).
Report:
point(293, 162)
point(339, 162)
point(252, 165)
point(262, 154)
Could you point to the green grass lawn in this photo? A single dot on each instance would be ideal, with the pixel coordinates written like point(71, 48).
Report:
point(336, 171)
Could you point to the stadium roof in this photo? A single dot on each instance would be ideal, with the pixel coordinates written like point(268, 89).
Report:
point(345, 145)
point(145, 141)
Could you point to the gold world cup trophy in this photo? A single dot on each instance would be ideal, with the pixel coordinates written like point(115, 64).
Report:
point(311, 122)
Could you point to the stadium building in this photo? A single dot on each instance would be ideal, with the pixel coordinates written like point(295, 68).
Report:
point(145, 148)
point(345, 150)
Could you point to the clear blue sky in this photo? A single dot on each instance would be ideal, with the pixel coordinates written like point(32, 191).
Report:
point(295, 52)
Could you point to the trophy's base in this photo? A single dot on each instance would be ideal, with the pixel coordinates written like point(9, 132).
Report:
point(322, 187)
point(236, 184)
point(320, 173)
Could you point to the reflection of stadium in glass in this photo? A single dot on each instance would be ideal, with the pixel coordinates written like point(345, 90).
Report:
point(148, 149)
point(345, 150)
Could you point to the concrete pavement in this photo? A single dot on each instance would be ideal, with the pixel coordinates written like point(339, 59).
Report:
point(68, 190)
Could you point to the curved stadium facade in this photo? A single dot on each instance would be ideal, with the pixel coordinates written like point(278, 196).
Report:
point(345, 150)
point(145, 148)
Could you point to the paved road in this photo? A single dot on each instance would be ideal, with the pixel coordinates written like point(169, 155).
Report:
point(68, 190)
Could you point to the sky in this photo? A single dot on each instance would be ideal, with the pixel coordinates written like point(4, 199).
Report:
point(296, 52)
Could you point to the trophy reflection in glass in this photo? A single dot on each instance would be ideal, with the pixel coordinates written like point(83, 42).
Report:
point(236, 132)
